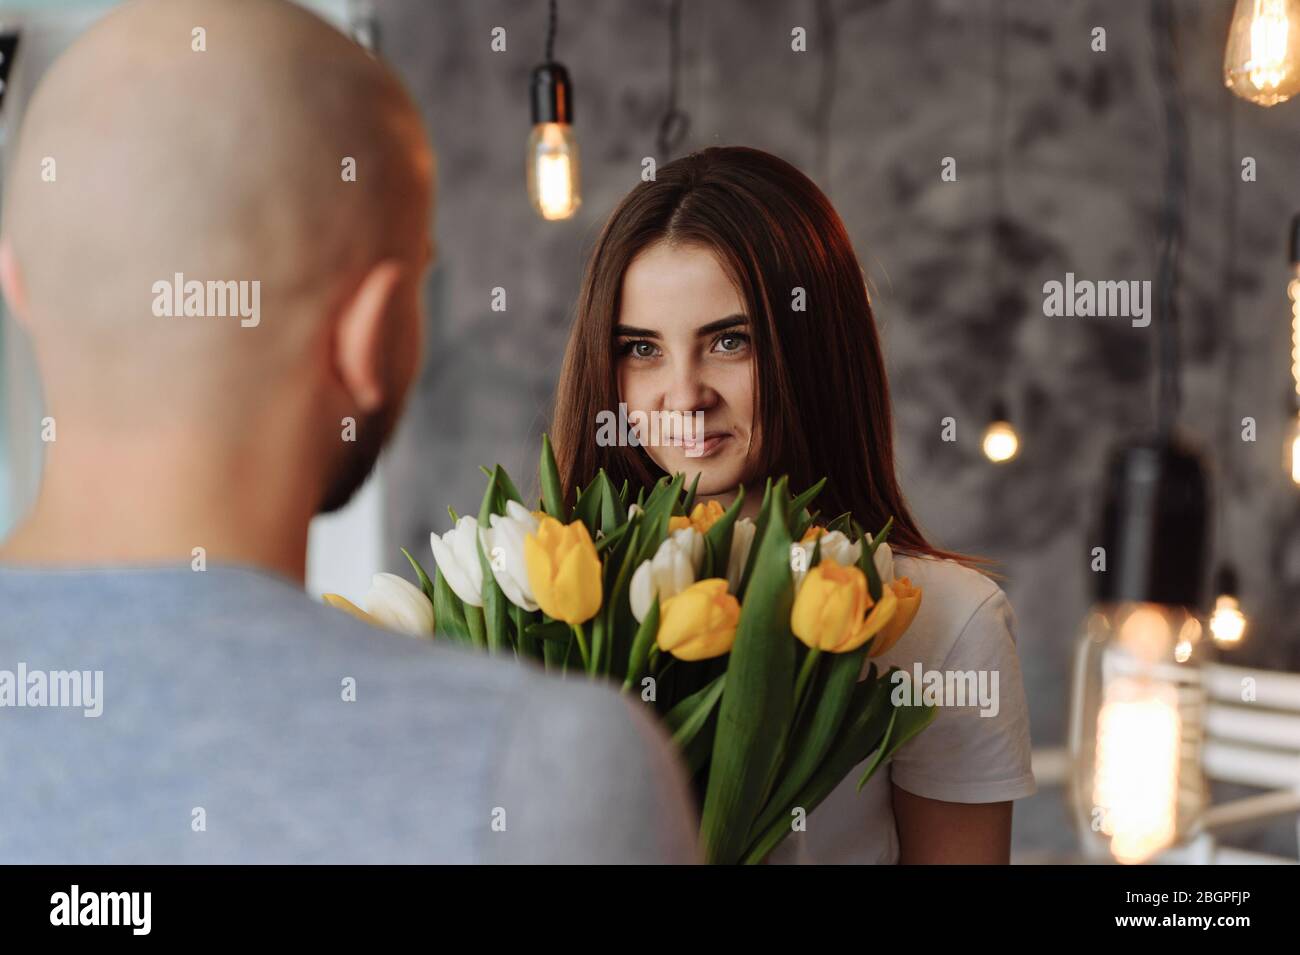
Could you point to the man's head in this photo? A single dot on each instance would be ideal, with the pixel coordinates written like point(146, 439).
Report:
point(217, 142)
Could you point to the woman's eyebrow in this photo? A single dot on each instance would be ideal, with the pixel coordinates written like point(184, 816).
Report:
point(730, 321)
point(638, 332)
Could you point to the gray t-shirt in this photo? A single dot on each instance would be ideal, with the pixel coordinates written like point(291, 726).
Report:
point(243, 722)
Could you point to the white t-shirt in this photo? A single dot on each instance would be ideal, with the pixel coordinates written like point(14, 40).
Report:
point(965, 623)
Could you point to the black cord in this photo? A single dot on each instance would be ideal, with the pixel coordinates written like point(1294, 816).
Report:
point(1172, 220)
point(550, 33)
point(998, 197)
point(825, 90)
point(675, 122)
point(1228, 382)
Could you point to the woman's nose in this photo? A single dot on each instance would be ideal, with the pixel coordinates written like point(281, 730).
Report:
point(687, 390)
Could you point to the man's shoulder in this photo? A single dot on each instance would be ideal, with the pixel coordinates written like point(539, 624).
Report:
point(310, 735)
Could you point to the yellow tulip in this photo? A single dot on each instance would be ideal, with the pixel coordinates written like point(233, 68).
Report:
point(703, 516)
point(563, 570)
point(909, 602)
point(700, 622)
point(339, 602)
point(833, 610)
point(812, 533)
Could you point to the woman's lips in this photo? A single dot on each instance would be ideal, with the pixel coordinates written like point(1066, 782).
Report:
point(705, 448)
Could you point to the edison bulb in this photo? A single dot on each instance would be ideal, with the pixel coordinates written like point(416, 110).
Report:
point(1262, 60)
point(1227, 623)
point(1000, 442)
point(553, 171)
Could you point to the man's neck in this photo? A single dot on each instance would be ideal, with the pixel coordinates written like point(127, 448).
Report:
point(109, 506)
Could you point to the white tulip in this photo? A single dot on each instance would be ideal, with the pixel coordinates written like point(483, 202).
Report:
point(399, 605)
point(884, 561)
point(456, 554)
point(834, 545)
point(742, 539)
point(503, 543)
point(673, 568)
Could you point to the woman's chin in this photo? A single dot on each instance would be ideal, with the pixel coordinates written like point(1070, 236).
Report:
point(716, 477)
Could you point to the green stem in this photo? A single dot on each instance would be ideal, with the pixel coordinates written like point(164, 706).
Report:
point(582, 646)
point(801, 683)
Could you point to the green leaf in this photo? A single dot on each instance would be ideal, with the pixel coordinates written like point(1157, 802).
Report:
point(610, 540)
point(803, 500)
point(843, 524)
point(617, 611)
point(907, 720)
point(507, 487)
point(867, 564)
point(552, 495)
point(719, 535)
point(863, 731)
point(448, 610)
point(874, 725)
point(813, 738)
point(760, 528)
point(528, 647)
point(612, 513)
point(884, 533)
point(691, 713)
point(494, 600)
point(474, 622)
point(425, 583)
point(690, 495)
point(641, 644)
point(495, 609)
point(587, 507)
point(658, 512)
point(755, 713)
point(488, 507)
point(595, 631)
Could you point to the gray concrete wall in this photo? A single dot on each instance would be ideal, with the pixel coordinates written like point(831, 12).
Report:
point(913, 83)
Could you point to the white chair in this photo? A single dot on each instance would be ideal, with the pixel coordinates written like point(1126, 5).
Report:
point(1254, 743)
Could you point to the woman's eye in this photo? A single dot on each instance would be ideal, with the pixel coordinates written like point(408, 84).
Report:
point(639, 349)
point(732, 343)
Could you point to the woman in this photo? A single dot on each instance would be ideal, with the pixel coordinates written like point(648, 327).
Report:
point(727, 292)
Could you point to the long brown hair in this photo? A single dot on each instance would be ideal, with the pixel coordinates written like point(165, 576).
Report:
point(822, 401)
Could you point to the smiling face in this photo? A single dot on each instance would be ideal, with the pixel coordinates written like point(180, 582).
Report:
point(683, 345)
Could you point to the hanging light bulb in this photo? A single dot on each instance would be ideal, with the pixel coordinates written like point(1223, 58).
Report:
point(552, 152)
point(1227, 622)
point(1262, 59)
point(1137, 703)
point(1001, 443)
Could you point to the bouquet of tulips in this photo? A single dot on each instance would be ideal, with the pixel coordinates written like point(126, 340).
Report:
point(749, 638)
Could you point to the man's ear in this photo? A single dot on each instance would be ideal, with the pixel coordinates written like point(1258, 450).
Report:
point(359, 350)
point(11, 281)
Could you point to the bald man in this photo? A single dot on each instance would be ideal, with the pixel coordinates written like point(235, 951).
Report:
point(210, 294)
